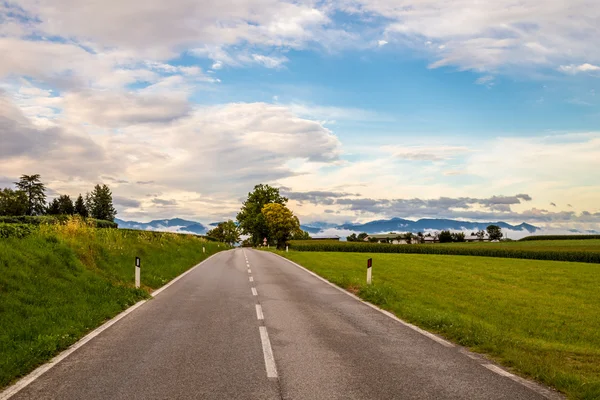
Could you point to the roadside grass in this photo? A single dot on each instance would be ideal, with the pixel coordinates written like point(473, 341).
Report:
point(539, 318)
point(62, 281)
point(555, 250)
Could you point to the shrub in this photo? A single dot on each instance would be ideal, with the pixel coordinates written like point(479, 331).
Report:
point(54, 219)
point(15, 230)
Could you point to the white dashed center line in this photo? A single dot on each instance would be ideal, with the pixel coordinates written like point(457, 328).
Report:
point(254, 292)
point(259, 313)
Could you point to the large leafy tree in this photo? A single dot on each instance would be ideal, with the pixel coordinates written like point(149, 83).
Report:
point(13, 202)
point(494, 232)
point(301, 235)
point(80, 207)
point(281, 222)
point(35, 192)
point(101, 204)
point(251, 219)
point(53, 207)
point(226, 232)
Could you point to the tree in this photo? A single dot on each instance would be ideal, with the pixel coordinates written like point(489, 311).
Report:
point(408, 237)
point(494, 232)
point(13, 202)
point(226, 232)
point(458, 237)
point(281, 223)
point(100, 203)
point(301, 235)
point(80, 207)
point(66, 206)
point(35, 192)
point(480, 235)
point(445, 237)
point(373, 240)
point(352, 238)
point(362, 236)
point(251, 219)
point(53, 208)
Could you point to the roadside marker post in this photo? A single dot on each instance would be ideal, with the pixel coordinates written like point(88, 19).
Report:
point(286, 248)
point(137, 272)
point(203, 249)
point(369, 268)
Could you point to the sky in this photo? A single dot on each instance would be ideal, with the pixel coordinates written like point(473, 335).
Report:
point(356, 109)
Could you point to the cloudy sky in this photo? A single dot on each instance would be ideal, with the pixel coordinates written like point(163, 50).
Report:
point(357, 109)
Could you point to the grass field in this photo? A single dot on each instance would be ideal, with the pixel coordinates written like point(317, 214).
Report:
point(555, 250)
point(64, 280)
point(540, 318)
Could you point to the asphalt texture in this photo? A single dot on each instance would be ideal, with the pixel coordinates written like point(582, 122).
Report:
point(199, 339)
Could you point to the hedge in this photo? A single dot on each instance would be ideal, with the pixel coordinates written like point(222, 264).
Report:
point(559, 237)
point(357, 247)
point(52, 219)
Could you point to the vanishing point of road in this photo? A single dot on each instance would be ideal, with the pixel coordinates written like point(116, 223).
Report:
point(247, 324)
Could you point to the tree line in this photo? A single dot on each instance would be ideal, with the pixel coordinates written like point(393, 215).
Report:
point(29, 198)
point(494, 232)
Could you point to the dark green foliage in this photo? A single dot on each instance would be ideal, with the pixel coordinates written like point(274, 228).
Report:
point(465, 250)
point(362, 236)
point(65, 205)
point(80, 208)
point(559, 237)
point(15, 230)
point(301, 235)
point(458, 237)
point(494, 232)
point(35, 191)
point(53, 219)
point(445, 237)
point(13, 202)
point(226, 232)
point(352, 238)
point(53, 208)
point(251, 220)
point(101, 204)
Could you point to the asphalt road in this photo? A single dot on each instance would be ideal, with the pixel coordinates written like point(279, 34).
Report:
point(211, 335)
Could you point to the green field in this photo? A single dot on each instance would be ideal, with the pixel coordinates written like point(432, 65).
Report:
point(555, 250)
point(540, 318)
point(61, 281)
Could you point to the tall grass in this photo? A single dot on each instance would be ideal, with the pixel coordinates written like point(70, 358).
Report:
point(63, 280)
point(589, 253)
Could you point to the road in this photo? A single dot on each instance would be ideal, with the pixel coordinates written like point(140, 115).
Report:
point(212, 333)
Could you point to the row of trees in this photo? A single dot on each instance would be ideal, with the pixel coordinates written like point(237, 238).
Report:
point(29, 198)
point(494, 232)
point(264, 214)
point(226, 232)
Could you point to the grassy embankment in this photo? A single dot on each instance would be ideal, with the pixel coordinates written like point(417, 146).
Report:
point(61, 281)
point(540, 318)
point(555, 250)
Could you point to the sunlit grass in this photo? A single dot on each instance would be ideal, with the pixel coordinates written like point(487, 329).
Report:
point(64, 280)
point(541, 318)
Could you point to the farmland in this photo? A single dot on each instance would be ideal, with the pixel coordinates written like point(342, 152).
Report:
point(540, 318)
point(57, 282)
point(555, 250)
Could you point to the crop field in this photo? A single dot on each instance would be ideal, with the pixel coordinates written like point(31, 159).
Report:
point(58, 282)
point(555, 250)
point(539, 318)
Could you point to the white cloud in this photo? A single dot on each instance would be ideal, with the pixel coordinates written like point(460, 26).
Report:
point(487, 80)
point(382, 43)
point(269, 62)
point(574, 69)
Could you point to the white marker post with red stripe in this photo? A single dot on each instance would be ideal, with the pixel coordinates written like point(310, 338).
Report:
point(369, 266)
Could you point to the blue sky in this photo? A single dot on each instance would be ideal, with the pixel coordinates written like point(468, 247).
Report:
point(357, 109)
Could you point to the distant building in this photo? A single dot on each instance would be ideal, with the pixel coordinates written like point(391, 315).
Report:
point(475, 238)
point(393, 238)
point(325, 237)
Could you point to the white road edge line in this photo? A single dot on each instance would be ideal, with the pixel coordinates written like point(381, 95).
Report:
point(498, 370)
point(259, 313)
point(389, 314)
point(254, 292)
point(268, 352)
point(39, 371)
point(249, 271)
point(251, 279)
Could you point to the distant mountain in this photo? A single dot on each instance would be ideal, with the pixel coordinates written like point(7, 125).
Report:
point(171, 225)
point(405, 225)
